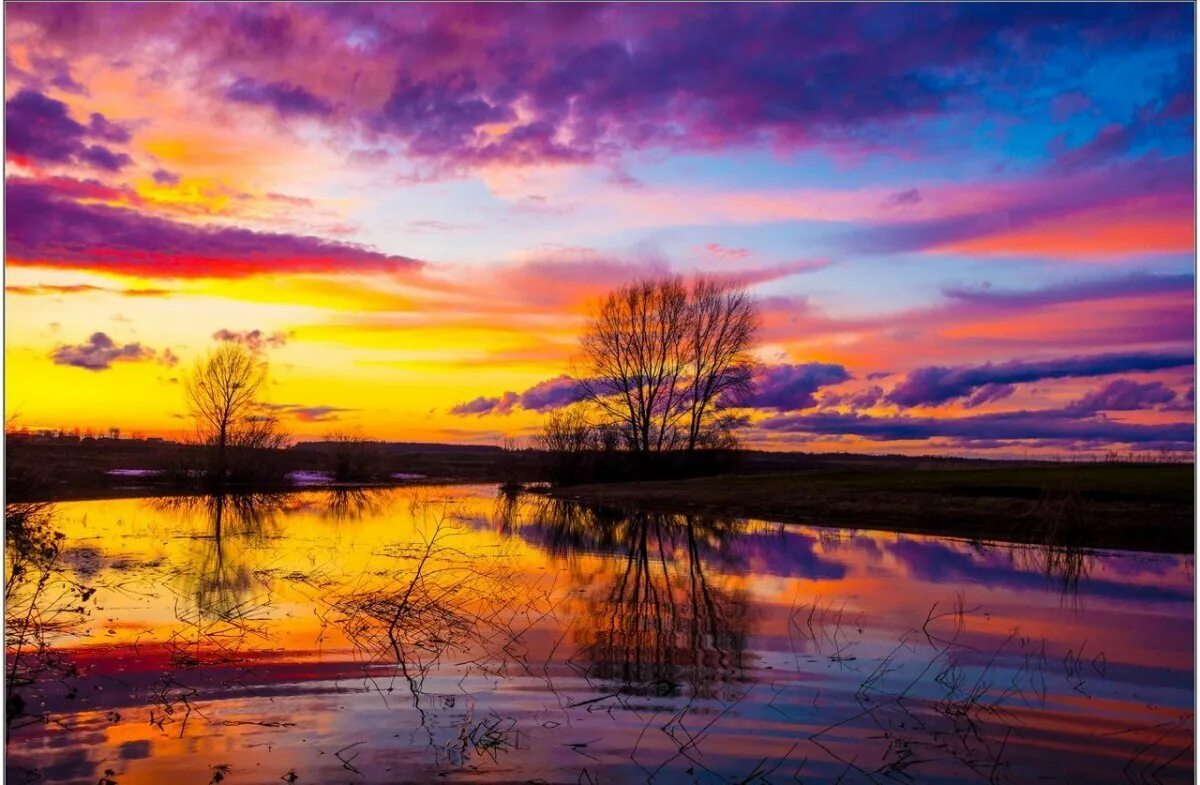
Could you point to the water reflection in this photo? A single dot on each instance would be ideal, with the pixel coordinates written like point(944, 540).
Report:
point(219, 575)
point(352, 504)
point(444, 633)
point(653, 622)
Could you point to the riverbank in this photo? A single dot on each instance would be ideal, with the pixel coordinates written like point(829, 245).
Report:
point(1112, 505)
point(50, 471)
point(1126, 506)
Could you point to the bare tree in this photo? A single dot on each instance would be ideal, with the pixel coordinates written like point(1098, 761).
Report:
point(722, 326)
point(354, 458)
point(633, 350)
point(223, 394)
point(567, 431)
point(660, 359)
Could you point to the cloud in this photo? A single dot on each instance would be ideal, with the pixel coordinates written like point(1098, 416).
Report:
point(476, 406)
point(1121, 395)
point(305, 413)
point(863, 399)
point(286, 99)
point(935, 385)
point(254, 340)
point(1109, 142)
point(988, 393)
point(99, 352)
point(903, 198)
point(567, 278)
point(163, 177)
point(1058, 424)
point(37, 290)
point(482, 405)
point(470, 86)
point(727, 254)
point(431, 225)
point(47, 227)
point(100, 127)
point(542, 397)
point(103, 158)
point(39, 128)
point(552, 394)
point(1121, 207)
point(787, 387)
point(781, 387)
point(44, 73)
point(1118, 287)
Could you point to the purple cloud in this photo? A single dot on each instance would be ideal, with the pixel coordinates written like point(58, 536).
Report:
point(866, 398)
point(1121, 395)
point(1132, 285)
point(103, 158)
point(46, 227)
point(310, 413)
point(40, 128)
point(1060, 424)
point(988, 393)
point(106, 130)
point(99, 352)
point(1166, 180)
point(552, 394)
point(441, 115)
point(1109, 142)
point(542, 397)
point(288, 100)
point(254, 340)
point(788, 387)
point(903, 198)
point(855, 401)
point(484, 405)
point(163, 177)
point(45, 72)
point(590, 80)
point(476, 406)
point(935, 385)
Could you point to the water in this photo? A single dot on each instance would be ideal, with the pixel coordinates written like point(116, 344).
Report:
point(425, 634)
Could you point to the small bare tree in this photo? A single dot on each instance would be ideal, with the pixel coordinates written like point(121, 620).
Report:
point(354, 458)
point(223, 395)
point(567, 431)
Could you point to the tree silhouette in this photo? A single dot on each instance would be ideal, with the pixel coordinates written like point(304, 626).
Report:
point(223, 395)
point(662, 359)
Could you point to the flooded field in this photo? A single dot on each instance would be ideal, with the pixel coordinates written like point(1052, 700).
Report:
point(429, 634)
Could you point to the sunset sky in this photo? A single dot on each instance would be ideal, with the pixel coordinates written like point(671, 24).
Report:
point(971, 228)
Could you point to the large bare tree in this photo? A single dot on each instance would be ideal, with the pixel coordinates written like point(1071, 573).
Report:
point(224, 397)
point(722, 326)
point(660, 359)
point(632, 348)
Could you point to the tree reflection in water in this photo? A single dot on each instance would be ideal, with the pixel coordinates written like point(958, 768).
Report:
point(653, 621)
point(219, 578)
point(352, 504)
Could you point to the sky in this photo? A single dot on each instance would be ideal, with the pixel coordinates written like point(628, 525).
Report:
point(970, 227)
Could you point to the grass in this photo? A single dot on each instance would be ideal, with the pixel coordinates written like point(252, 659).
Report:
point(78, 471)
point(1131, 506)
